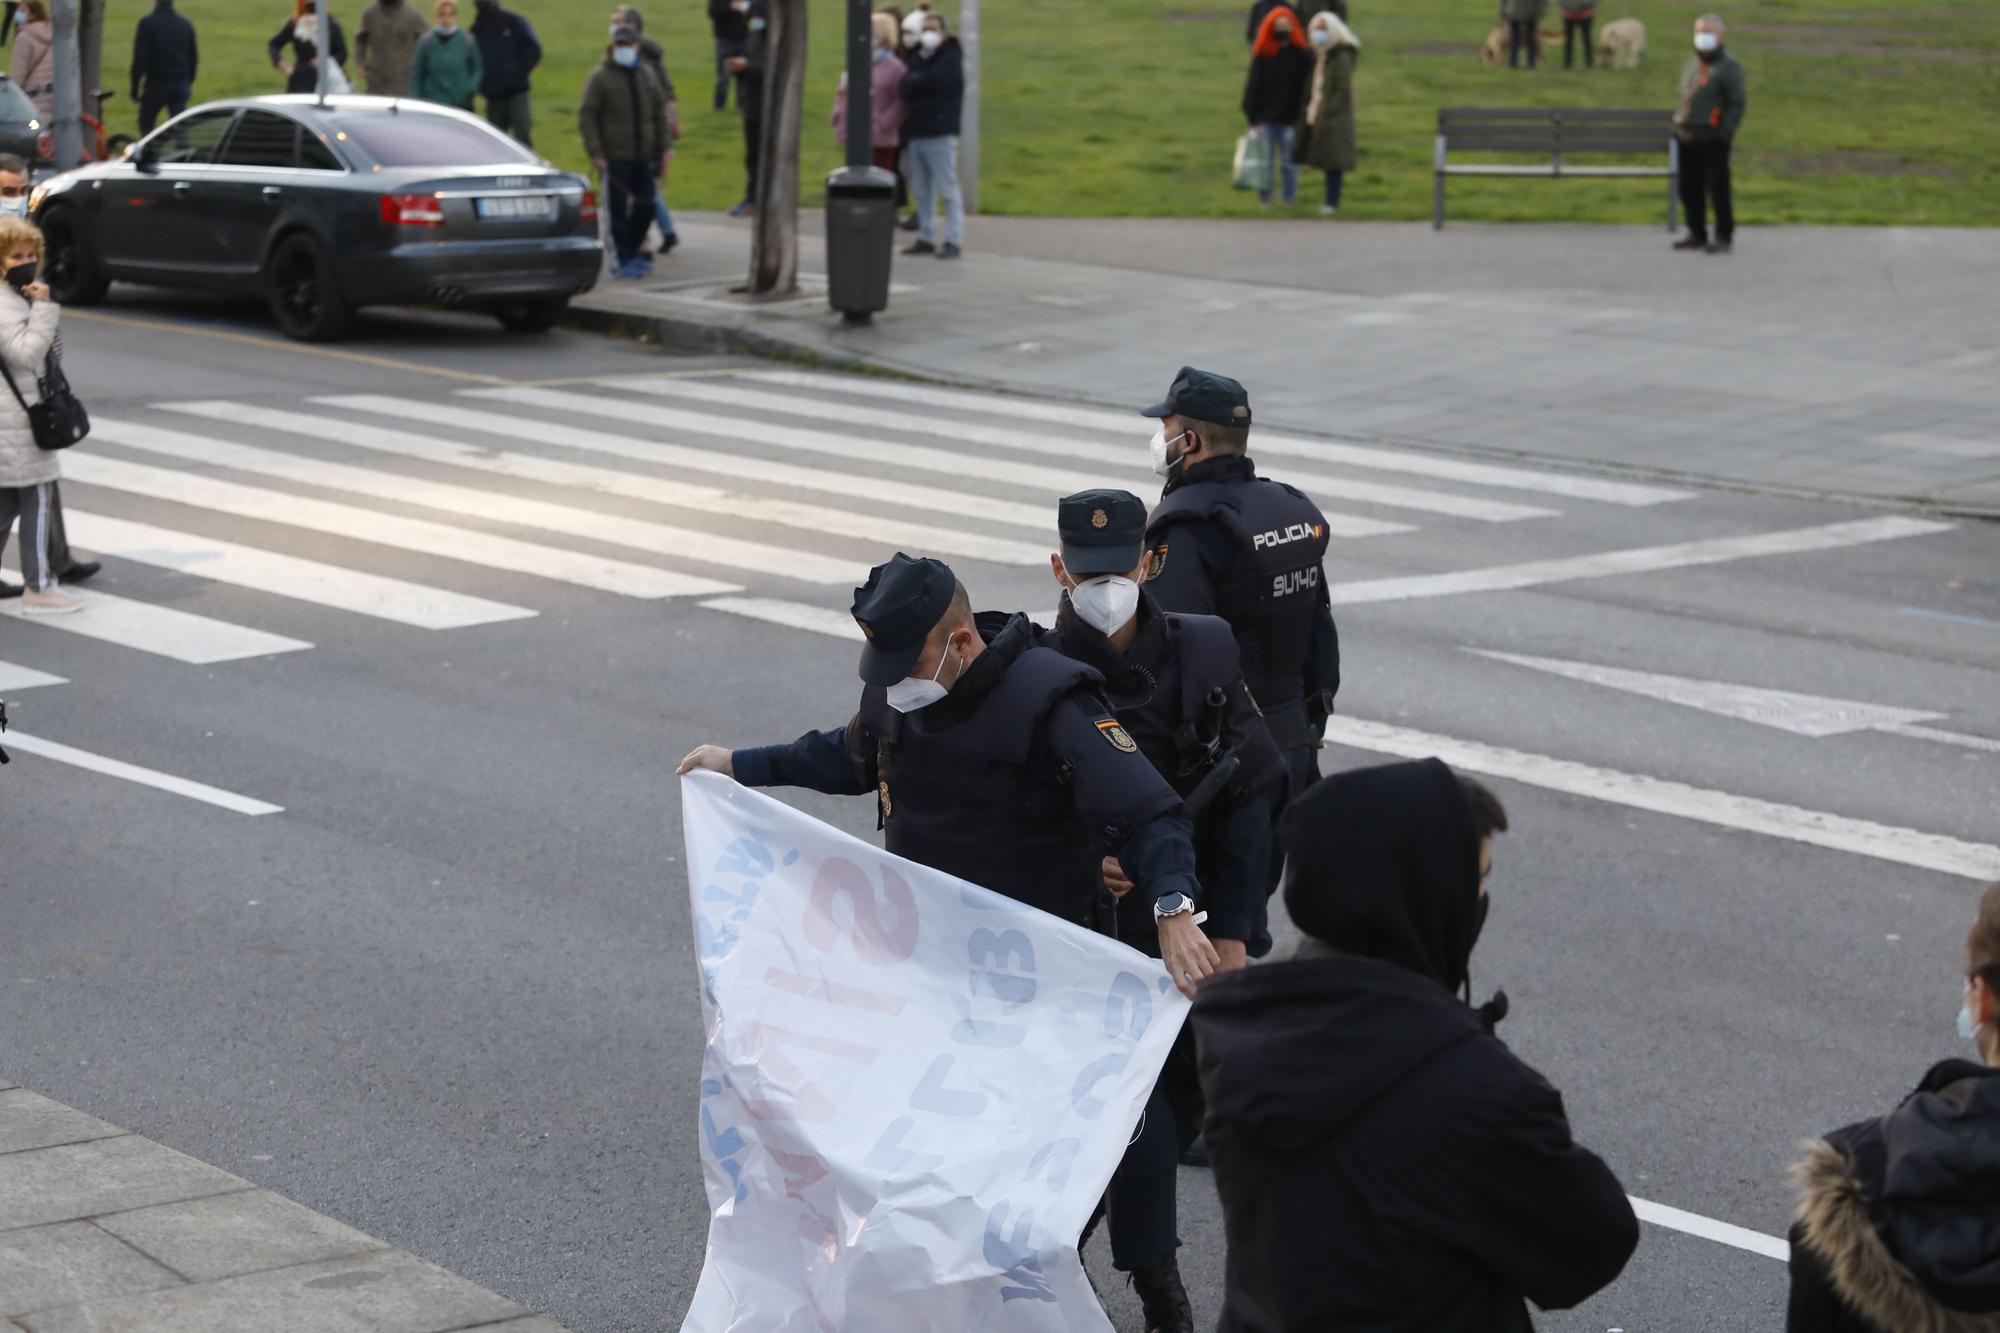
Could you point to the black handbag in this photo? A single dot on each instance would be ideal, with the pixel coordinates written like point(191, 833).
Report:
point(58, 420)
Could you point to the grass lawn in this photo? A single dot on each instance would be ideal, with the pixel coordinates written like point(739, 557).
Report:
point(1862, 111)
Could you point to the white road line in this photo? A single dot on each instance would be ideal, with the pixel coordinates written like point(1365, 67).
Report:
point(14, 677)
point(1263, 442)
point(159, 630)
point(715, 462)
point(393, 530)
point(145, 777)
point(1637, 560)
point(1128, 459)
point(760, 511)
point(792, 615)
point(286, 576)
point(1903, 846)
point(492, 506)
point(1054, 482)
point(1723, 1233)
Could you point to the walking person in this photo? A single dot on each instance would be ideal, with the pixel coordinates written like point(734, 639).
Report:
point(654, 57)
point(1898, 1227)
point(1714, 95)
point(933, 93)
point(624, 124)
point(1578, 18)
point(1325, 134)
point(748, 69)
point(729, 23)
point(385, 46)
point(301, 33)
point(34, 65)
point(164, 59)
point(28, 473)
point(1384, 1161)
point(509, 51)
point(446, 68)
point(1524, 29)
point(885, 98)
point(1274, 95)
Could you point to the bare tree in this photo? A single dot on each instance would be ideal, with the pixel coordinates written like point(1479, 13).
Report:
point(774, 249)
point(90, 38)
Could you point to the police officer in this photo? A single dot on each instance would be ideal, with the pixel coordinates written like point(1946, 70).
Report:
point(1175, 684)
point(1227, 542)
point(995, 760)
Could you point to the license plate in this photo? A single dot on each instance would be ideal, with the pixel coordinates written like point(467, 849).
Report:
point(516, 208)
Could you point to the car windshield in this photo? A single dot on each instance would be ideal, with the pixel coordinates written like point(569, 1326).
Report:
point(14, 104)
point(419, 139)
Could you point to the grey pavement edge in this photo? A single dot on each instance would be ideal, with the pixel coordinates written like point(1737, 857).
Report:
point(102, 1231)
point(1852, 364)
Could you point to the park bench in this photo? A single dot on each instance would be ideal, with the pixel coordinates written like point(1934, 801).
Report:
point(1560, 132)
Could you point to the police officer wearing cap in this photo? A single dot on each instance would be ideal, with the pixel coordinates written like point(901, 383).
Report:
point(994, 759)
point(1224, 541)
point(1175, 683)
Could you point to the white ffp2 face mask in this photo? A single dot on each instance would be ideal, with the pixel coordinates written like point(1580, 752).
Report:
point(911, 693)
point(1163, 462)
point(1105, 604)
point(1705, 42)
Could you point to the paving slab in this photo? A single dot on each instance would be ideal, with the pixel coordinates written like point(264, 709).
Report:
point(102, 1176)
point(370, 1293)
point(28, 1120)
point(225, 1235)
point(68, 1262)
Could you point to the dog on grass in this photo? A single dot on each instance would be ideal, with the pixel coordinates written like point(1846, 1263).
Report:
point(1494, 52)
point(1621, 43)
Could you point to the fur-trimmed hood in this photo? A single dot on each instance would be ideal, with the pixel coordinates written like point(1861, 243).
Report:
point(1904, 1211)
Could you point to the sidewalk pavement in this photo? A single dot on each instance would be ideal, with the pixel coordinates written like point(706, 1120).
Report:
point(1860, 363)
point(102, 1231)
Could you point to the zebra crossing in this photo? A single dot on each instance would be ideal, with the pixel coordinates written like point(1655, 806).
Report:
point(753, 494)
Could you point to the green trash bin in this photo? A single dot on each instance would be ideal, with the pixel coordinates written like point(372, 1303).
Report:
point(860, 238)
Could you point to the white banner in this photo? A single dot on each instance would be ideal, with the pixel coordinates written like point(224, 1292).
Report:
point(914, 1089)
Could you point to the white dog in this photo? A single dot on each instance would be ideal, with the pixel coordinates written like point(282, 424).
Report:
point(1621, 43)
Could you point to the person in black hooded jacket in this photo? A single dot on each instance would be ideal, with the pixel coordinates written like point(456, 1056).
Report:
point(1386, 1163)
point(1898, 1228)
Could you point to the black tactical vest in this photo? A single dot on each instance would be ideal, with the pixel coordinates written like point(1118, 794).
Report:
point(977, 798)
point(1270, 592)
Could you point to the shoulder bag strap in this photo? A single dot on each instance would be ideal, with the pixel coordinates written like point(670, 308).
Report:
point(10, 384)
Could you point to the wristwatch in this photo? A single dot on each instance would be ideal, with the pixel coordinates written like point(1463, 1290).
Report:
point(1171, 904)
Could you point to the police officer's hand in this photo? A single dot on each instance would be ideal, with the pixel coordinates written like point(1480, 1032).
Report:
point(1232, 955)
point(1114, 877)
point(1186, 951)
point(712, 757)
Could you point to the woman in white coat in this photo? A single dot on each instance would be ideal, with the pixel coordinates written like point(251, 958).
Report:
point(27, 472)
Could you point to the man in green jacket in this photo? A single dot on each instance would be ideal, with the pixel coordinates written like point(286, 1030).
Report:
point(624, 124)
point(1713, 97)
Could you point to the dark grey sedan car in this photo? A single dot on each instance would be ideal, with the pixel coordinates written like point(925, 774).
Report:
point(323, 207)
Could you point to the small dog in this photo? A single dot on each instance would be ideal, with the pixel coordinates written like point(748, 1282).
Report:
point(1621, 43)
point(1494, 52)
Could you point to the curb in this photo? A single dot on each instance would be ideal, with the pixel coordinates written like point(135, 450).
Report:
point(708, 338)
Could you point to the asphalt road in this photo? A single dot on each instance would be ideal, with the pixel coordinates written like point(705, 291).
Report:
point(448, 994)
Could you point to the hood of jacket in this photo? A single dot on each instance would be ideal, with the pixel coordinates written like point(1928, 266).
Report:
point(1342, 34)
point(1902, 1209)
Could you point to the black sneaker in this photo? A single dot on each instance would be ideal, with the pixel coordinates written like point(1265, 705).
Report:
point(908, 223)
point(81, 571)
point(1691, 242)
point(9, 590)
point(920, 248)
point(1163, 1298)
point(1718, 247)
point(950, 251)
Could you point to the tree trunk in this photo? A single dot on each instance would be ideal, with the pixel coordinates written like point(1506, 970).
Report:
point(90, 40)
point(774, 250)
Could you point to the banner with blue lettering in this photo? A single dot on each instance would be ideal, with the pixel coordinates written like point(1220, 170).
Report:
point(914, 1090)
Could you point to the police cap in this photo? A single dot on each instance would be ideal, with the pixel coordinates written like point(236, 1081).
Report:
point(897, 608)
point(1103, 532)
point(1204, 396)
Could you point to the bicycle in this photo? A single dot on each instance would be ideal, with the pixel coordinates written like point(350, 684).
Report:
point(97, 145)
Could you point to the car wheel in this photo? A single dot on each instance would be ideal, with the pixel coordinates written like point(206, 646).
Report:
point(303, 291)
point(73, 275)
point(532, 315)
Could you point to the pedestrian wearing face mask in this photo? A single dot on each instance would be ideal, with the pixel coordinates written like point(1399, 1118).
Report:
point(1898, 1227)
point(509, 51)
point(995, 759)
point(749, 71)
point(1274, 95)
point(33, 67)
point(446, 69)
point(933, 92)
point(913, 33)
point(1384, 1161)
point(1226, 542)
point(28, 472)
point(1714, 95)
point(1325, 134)
point(1174, 683)
point(623, 118)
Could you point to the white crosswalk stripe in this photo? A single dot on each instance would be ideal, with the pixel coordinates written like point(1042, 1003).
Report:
point(610, 481)
point(16, 677)
point(1266, 442)
point(1127, 461)
point(160, 630)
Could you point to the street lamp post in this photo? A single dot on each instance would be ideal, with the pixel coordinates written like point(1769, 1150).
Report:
point(67, 131)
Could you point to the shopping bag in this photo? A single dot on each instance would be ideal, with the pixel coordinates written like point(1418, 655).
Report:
point(1253, 162)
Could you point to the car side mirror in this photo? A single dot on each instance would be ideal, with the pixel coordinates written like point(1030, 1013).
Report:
point(145, 157)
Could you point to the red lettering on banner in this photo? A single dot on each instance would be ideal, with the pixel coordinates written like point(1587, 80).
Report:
point(874, 942)
point(764, 1045)
point(832, 992)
